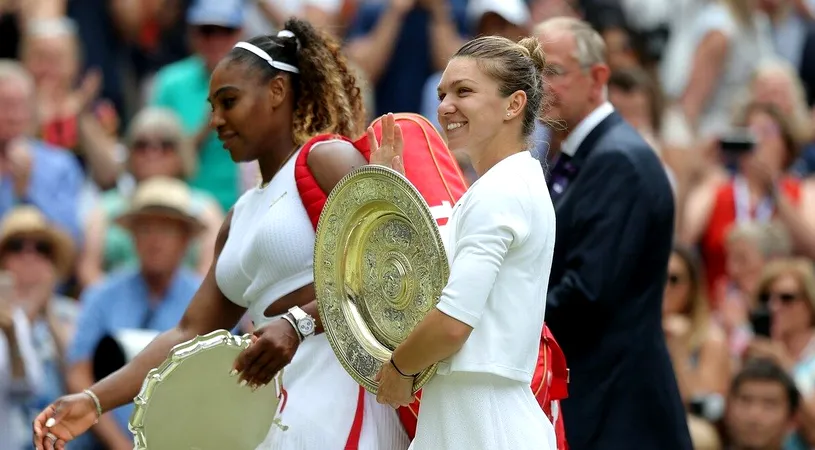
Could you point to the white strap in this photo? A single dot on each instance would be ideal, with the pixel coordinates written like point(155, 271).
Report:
point(265, 56)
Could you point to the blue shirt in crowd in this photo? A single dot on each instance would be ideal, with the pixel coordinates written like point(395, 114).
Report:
point(400, 87)
point(121, 302)
point(54, 187)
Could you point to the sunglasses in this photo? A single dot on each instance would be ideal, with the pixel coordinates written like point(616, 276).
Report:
point(674, 279)
point(783, 297)
point(165, 145)
point(15, 246)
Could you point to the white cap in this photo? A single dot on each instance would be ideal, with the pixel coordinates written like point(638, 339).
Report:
point(513, 11)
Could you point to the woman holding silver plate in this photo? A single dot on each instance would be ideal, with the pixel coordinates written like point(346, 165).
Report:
point(268, 97)
point(486, 328)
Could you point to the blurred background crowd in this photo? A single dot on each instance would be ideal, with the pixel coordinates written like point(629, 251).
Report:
point(103, 113)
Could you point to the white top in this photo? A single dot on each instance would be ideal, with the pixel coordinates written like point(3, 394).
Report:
point(264, 257)
point(500, 241)
point(14, 392)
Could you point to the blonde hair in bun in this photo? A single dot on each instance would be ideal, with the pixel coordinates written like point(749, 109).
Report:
point(515, 66)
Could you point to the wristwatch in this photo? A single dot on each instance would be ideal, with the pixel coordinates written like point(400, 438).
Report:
point(303, 323)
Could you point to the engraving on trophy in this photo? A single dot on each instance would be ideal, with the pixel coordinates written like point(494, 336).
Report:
point(379, 267)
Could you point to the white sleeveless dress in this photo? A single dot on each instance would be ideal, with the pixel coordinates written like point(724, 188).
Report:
point(268, 254)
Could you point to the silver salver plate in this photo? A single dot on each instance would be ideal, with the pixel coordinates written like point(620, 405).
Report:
point(191, 402)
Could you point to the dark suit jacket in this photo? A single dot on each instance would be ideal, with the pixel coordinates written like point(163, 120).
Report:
point(614, 236)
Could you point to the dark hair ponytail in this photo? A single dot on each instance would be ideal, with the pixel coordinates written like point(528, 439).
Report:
point(327, 97)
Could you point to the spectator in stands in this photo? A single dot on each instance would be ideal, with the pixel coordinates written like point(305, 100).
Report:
point(505, 18)
point(750, 247)
point(69, 113)
point(775, 82)
point(399, 44)
point(637, 98)
point(697, 344)
point(729, 39)
point(787, 291)
point(38, 256)
point(546, 9)
point(153, 296)
point(157, 147)
point(20, 372)
point(759, 190)
point(762, 407)
point(794, 40)
point(19, 375)
point(34, 172)
point(215, 27)
point(610, 21)
point(268, 16)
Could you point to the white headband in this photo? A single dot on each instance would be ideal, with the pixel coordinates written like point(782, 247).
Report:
point(265, 56)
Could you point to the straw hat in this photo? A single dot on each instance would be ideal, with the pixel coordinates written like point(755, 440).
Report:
point(28, 221)
point(161, 197)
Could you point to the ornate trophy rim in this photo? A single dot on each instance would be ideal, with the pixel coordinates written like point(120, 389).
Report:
point(344, 327)
point(177, 356)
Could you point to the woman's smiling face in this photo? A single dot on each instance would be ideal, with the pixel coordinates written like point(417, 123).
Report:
point(471, 110)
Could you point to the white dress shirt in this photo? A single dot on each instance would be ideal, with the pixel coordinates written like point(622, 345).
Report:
point(500, 241)
point(582, 130)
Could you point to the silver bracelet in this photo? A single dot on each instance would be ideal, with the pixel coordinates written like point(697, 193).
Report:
point(96, 402)
point(290, 320)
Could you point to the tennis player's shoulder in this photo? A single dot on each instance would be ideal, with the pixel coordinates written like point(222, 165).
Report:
point(329, 161)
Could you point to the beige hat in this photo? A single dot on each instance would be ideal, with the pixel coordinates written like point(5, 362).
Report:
point(28, 221)
point(161, 197)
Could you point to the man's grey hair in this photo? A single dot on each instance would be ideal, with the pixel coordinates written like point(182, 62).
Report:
point(591, 49)
point(771, 239)
point(12, 70)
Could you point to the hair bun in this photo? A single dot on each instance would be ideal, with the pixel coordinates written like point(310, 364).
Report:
point(533, 49)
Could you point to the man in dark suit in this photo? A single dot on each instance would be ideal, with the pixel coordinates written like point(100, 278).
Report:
point(615, 215)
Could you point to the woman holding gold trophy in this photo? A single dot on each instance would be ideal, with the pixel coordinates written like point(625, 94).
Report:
point(268, 96)
point(485, 330)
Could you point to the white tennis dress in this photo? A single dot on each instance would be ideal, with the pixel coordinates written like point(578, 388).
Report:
point(268, 254)
point(500, 242)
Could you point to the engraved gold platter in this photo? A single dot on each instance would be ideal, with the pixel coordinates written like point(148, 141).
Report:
point(192, 402)
point(379, 268)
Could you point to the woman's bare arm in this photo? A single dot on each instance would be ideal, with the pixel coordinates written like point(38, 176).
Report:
point(99, 149)
point(707, 67)
point(90, 265)
point(697, 208)
point(714, 369)
point(212, 216)
point(330, 162)
point(797, 220)
point(209, 310)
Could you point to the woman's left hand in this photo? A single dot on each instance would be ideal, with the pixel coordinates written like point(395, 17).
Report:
point(765, 173)
point(761, 347)
point(394, 389)
point(272, 348)
point(389, 152)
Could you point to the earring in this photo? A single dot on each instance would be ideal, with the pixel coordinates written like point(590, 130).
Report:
point(509, 114)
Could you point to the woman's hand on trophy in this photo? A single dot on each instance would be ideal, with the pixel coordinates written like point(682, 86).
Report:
point(394, 388)
point(389, 152)
point(63, 421)
point(272, 348)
